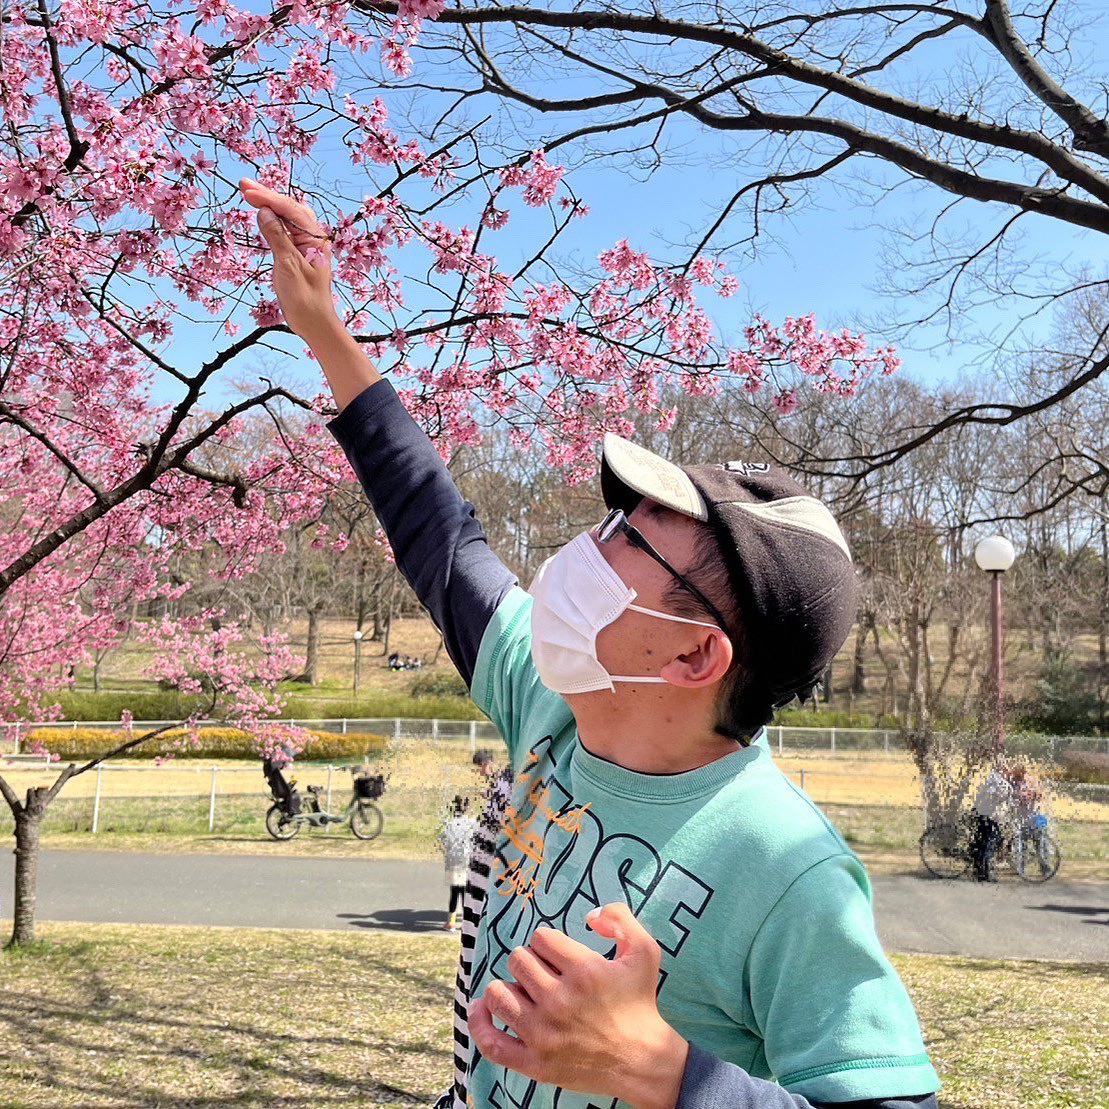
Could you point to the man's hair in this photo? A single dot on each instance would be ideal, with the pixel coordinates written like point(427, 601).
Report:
point(743, 704)
point(482, 756)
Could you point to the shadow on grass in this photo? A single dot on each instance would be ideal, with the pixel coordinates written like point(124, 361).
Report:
point(1035, 968)
point(249, 1058)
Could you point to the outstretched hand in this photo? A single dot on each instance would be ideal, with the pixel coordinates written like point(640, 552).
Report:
point(301, 249)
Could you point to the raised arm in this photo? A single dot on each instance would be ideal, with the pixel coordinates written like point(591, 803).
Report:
point(439, 545)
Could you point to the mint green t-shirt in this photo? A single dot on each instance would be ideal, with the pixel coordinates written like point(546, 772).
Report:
point(770, 958)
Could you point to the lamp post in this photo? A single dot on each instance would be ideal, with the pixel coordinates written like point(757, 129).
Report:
point(357, 659)
point(995, 555)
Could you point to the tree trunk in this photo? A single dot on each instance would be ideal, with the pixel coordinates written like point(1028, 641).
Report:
point(389, 617)
point(312, 651)
point(379, 625)
point(972, 693)
point(28, 825)
point(889, 691)
point(360, 596)
point(96, 672)
point(858, 662)
point(1103, 634)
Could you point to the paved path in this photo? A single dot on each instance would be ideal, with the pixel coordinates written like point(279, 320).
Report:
point(1010, 920)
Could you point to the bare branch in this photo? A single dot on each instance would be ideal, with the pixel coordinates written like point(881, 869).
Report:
point(1036, 145)
point(1091, 134)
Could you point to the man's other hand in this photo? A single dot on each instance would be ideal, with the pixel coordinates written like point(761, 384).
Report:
point(583, 1022)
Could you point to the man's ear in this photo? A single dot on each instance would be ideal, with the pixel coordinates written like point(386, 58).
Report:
point(703, 666)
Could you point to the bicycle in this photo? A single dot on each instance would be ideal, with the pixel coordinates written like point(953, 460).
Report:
point(947, 850)
point(290, 811)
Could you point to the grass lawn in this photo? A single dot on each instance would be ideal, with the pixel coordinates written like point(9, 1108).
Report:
point(125, 1016)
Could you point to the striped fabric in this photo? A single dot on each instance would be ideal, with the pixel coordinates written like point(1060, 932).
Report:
point(485, 842)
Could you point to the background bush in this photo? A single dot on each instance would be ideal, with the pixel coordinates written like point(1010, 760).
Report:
point(447, 683)
point(1083, 766)
point(1065, 701)
point(215, 743)
point(299, 705)
point(831, 718)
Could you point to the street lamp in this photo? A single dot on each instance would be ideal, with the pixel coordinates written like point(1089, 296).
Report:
point(995, 555)
point(357, 659)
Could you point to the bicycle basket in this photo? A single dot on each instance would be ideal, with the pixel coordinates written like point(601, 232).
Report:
point(369, 787)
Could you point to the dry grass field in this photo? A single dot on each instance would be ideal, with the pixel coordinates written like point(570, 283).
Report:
point(125, 1017)
point(443, 768)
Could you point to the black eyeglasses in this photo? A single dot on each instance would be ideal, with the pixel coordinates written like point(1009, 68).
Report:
point(616, 523)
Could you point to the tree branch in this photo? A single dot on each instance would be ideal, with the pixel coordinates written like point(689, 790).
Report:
point(657, 26)
point(10, 414)
point(10, 796)
point(1091, 134)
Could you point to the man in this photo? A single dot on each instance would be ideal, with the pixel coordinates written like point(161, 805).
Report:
point(667, 921)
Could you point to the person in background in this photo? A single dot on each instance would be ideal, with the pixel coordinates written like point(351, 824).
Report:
point(1027, 792)
point(484, 763)
point(991, 805)
point(456, 840)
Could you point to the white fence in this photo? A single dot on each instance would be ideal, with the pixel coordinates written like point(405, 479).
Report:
point(221, 781)
point(217, 795)
point(783, 738)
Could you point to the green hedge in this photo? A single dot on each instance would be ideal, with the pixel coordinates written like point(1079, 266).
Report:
point(142, 706)
point(446, 683)
point(302, 705)
point(831, 718)
point(372, 707)
point(215, 743)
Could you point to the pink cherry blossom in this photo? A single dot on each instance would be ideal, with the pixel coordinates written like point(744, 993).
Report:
point(136, 277)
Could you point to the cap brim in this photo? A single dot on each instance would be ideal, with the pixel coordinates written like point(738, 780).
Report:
point(627, 466)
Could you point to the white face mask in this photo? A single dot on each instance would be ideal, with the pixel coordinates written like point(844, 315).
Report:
point(576, 594)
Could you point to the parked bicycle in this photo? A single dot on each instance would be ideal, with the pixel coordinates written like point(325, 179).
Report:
point(947, 850)
point(291, 811)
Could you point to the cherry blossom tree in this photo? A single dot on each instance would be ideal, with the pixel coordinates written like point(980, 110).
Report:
point(136, 302)
point(205, 660)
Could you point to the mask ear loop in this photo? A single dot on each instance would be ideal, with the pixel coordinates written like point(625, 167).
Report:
point(663, 616)
point(676, 619)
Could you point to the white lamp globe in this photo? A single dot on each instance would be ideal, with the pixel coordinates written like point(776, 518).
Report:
point(995, 553)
